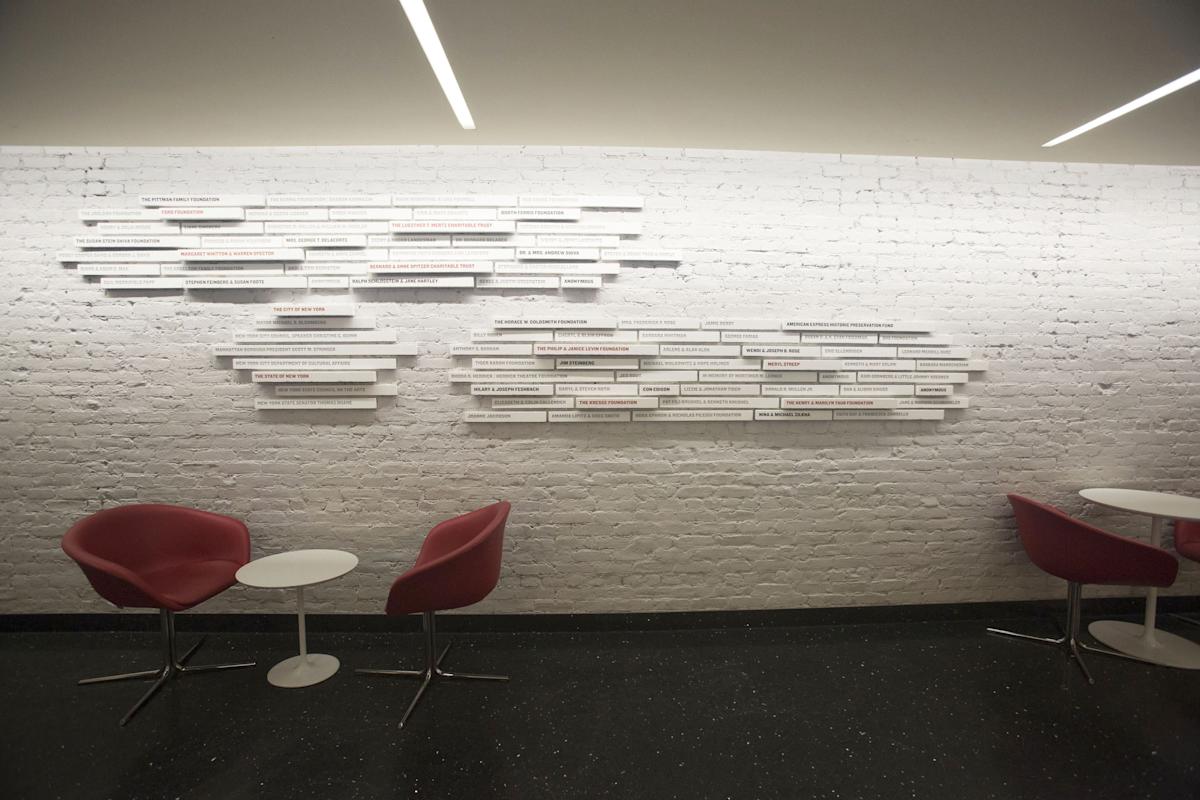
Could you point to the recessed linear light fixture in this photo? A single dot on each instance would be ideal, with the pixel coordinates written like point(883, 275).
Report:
point(1133, 105)
point(418, 17)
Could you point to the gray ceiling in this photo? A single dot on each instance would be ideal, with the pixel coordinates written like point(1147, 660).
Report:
point(965, 78)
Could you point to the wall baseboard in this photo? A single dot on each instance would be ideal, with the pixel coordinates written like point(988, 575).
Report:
point(566, 623)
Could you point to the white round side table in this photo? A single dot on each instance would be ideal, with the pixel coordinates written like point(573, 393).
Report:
point(295, 570)
point(1146, 641)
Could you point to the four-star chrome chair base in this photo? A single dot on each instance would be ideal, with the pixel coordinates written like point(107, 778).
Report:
point(1070, 641)
point(173, 666)
point(433, 668)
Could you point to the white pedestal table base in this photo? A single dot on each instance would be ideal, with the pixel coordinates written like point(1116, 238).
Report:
point(305, 670)
point(1160, 647)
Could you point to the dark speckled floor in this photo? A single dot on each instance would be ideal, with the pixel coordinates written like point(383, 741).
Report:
point(910, 710)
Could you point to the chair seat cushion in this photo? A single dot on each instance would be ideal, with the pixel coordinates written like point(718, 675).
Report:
point(1188, 549)
point(184, 585)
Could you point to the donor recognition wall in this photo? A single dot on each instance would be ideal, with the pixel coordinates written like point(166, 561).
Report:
point(603, 369)
point(362, 241)
point(317, 356)
point(322, 356)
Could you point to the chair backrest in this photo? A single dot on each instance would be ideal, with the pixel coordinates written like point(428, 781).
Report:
point(117, 546)
point(1187, 538)
point(1075, 551)
point(459, 563)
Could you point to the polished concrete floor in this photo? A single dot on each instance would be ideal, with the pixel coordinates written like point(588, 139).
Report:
point(906, 710)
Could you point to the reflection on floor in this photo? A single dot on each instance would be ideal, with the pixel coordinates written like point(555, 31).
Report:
point(907, 710)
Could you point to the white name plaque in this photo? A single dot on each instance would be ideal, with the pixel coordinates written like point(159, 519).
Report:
point(554, 322)
point(119, 256)
point(583, 200)
point(454, 213)
point(514, 403)
point(720, 402)
point(244, 254)
point(451, 226)
point(876, 325)
point(137, 227)
point(680, 336)
point(589, 416)
point(388, 349)
point(719, 389)
point(513, 363)
point(118, 214)
point(189, 213)
point(659, 389)
point(312, 376)
point(779, 350)
point(91, 270)
point(465, 200)
point(419, 267)
point(324, 335)
point(761, 337)
point(594, 349)
point(837, 402)
point(516, 282)
point(299, 228)
point(581, 281)
point(558, 267)
point(336, 390)
point(314, 403)
point(557, 254)
point(530, 213)
point(504, 416)
point(264, 282)
point(494, 349)
point(223, 200)
point(596, 389)
point(137, 242)
point(142, 283)
point(643, 254)
point(792, 416)
point(305, 200)
point(313, 364)
point(412, 282)
point(651, 324)
point(313, 310)
point(897, 414)
point(512, 389)
point(287, 214)
point(367, 213)
point(692, 415)
point(616, 402)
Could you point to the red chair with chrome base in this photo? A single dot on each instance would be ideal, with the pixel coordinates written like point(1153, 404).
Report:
point(1187, 544)
point(1080, 553)
point(159, 556)
point(459, 564)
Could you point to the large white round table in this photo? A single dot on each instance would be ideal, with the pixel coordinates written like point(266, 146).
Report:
point(296, 570)
point(1145, 641)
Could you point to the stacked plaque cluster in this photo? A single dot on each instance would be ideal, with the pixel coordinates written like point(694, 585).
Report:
point(189, 242)
point(592, 369)
point(319, 356)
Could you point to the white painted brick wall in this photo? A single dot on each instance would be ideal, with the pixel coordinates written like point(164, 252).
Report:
point(1078, 282)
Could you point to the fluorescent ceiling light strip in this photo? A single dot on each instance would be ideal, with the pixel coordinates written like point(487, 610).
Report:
point(1133, 105)
point(418, 17)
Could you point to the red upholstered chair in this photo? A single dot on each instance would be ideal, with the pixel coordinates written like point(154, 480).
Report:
point(1080, 553)
point(459, 564)
point(1187, 539)
point(159, 556)
point(1187, 544)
